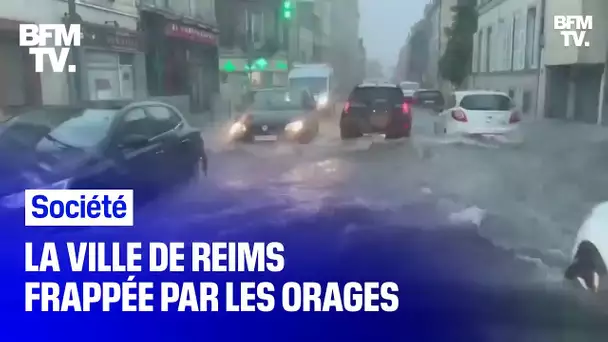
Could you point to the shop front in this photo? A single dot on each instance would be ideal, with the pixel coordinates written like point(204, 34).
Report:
point(183, 60)
point(113, 61)
point(262, 72)
point(19, 83)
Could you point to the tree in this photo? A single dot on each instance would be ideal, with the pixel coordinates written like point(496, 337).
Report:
point(455, 64)
point(419, 48)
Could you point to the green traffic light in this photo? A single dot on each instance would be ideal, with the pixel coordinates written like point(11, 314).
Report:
point(287, 9)
point(229, 66)
point(261, 63)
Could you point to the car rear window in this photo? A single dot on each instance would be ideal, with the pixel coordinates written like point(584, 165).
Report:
point(409, 86)
point(486, 102)
point(430, 95)
point(372, 94)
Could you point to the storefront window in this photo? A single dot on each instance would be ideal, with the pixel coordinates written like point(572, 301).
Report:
point(110, 75)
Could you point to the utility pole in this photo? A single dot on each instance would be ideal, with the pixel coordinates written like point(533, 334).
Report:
point(286, 16)
point(76, 81)
point(248, 39)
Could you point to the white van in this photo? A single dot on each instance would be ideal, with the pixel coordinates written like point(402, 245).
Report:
point(315, 78)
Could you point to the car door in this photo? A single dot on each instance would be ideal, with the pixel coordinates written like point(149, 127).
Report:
point(166, 123)
point(441, 123)
point(138, 166)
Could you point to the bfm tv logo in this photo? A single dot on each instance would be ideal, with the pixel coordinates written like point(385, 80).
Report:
point(35, 37)
point(573, 28)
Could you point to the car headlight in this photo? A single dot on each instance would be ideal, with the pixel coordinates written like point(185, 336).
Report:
point(322, 100)
point(17, 200)
point(237, 128)
point(295, 127)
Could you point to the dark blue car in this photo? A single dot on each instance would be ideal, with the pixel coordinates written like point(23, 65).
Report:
point(145, 146)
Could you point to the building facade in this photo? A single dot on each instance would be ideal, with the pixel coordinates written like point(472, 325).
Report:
point(182, 50)
point(322, 11)
point(507, 49)
point(414, 57)
point(573, 78)
point(432, 13)
point(254, 40)
point(345, 45)
point(111, 58)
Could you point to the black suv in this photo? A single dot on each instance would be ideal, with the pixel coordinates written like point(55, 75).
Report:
point(429, 99)
point(376, 108)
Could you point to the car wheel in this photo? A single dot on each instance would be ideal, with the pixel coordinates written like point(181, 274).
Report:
point(306, 138)
point(400, 135)
point(436, 128)
point(588, 269)
point(346, 134)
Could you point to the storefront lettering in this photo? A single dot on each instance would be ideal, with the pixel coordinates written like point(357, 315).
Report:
point(111, 39)
point(191, 33)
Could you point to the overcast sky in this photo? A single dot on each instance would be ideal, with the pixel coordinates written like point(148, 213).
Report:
point(385, 25)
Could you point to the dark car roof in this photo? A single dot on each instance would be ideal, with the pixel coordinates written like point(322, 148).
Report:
point(377, 85)
point(110, 105)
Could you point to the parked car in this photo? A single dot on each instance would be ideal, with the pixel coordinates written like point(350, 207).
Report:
point(429, 99)
point(376, 108)
point(478, 112)
point(409, 88)
point(145, 146)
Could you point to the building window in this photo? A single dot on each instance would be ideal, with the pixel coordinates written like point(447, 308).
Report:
point(474, 57)
point(501, 59)
point(519, 38)
point(526, 102)
point(530, 35)
point(489, 50)
point(110, 75)
point(509, 49)
point(480, 48)
point(257, 28)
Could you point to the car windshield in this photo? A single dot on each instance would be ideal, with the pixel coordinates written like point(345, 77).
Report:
point(48, 131)
point(276, 100)
point(315, 85)
point(430, 95)
point(369, 95)
point(486, 102)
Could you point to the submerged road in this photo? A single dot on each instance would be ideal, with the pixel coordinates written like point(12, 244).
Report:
point(496, 217)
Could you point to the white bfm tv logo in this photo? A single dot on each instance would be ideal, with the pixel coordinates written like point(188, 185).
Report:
point(36, 36)
point(568, 25)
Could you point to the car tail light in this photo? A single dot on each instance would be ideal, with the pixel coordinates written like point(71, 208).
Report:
point(515, 117)
point(459, 115)
point(405, 108)
point(346, 107)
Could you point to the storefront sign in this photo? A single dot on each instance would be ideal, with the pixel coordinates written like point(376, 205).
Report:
point(111, 38)
point(191, 33)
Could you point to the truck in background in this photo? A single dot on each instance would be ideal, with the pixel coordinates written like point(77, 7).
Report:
point(318, 79)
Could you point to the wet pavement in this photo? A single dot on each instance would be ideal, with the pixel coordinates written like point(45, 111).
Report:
point(498, 213)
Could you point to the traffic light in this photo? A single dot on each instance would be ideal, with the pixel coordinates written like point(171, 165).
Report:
point(287, 9)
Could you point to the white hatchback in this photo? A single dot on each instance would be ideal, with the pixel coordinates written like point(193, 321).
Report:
point(478, 112)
